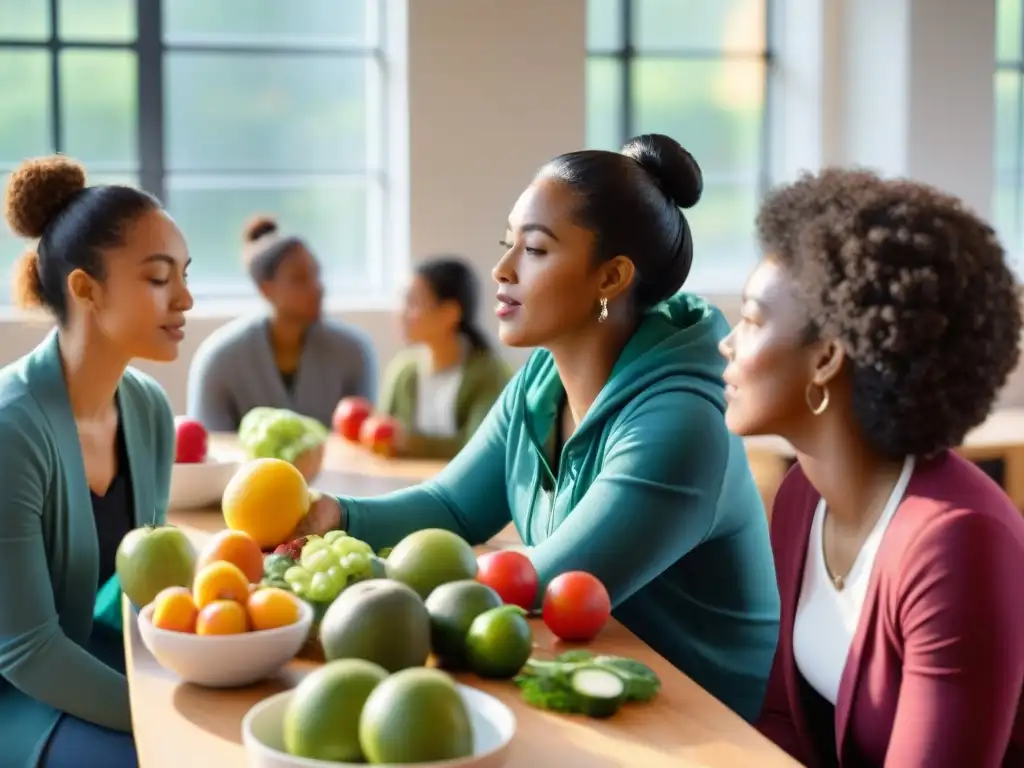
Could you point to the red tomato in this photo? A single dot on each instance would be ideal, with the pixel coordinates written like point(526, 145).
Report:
point(576, 606)
point(511, 575)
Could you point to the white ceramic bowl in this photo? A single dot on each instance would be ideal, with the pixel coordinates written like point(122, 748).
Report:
point(494, 725)
point(202, 484)
point(225, 661)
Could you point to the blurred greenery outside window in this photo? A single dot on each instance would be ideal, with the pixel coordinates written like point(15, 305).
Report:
point(221, 114)
point(698, 71)
point(1008, 192)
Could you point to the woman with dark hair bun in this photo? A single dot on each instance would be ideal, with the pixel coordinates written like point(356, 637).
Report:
point(877, 330)
point(441, 390)
point(86, 449)
point(608, 450)
point(290, 358)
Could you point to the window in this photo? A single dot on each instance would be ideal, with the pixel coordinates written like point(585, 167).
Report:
point(221, 114)
point(696, 71)
point(1008, 199)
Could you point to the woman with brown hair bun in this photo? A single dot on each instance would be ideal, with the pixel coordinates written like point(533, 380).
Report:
point(290, 358)
point(875, 333)
point(86, 449)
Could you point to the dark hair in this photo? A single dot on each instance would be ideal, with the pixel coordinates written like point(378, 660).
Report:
point(452, 279)
point(915, 287)
point(265, 249)
point(47, 198)
point(631, 201)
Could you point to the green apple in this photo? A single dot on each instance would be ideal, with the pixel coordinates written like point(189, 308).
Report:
point(152, 558)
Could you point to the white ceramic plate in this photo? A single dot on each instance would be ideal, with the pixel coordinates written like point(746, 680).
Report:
point(493, 723)
point(194, 486)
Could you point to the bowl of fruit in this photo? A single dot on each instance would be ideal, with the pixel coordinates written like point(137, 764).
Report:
point(225, 631)
point(198, 477)
point(352, 712)
point(278, 433)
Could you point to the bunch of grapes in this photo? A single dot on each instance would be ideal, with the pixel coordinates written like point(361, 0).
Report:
point(329, 564)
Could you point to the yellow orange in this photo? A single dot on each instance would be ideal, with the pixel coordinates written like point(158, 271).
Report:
point(222, 617)
point(266, 498)
point(270, 608)
point(220, 580)
point(235, 547)
point(175, 610)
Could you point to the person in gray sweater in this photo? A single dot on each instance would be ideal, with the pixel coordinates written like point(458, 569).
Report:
point(291, 357)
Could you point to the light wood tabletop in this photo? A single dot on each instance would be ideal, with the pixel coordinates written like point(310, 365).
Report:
point(178, 724)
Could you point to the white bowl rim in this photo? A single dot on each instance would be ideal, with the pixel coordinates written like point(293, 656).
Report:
point(217, 460)
point(258, 707)
point(305, 621)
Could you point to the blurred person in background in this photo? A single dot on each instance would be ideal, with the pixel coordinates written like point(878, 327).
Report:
point(291, 357)
point(442, 389)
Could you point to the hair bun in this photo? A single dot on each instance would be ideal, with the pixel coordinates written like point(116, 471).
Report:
point(38, 190)
point(26, 282)
point(675, 170)
point(259, 226)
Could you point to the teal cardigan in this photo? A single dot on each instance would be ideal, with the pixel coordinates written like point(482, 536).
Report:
point(652, 495)
point(49, 555)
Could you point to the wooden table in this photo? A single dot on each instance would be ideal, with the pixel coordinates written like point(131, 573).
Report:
point(177, 724)
point(1000, 437)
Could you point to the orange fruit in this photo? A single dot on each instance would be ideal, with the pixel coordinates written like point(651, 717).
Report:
point(235, 547)
point(222, 617)
point(220, 580)
point(175, 610)
point(271, 607)
point(266, 498)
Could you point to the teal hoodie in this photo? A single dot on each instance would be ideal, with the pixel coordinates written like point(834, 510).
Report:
point(652, 495)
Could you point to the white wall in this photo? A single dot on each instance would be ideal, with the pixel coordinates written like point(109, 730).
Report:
point(494, 88)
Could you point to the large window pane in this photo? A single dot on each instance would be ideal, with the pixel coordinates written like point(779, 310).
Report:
point(233, 112)
point(330, 215)
point(604, 25)
point(712, 107)
point(736, 26)
point(604, 103)
point(1008, 30)
point(722, 224)
point(25, 99)
point(100, 124)
point(111, 21)
point(1006, 211)
point(271, 21)
point(24, 20)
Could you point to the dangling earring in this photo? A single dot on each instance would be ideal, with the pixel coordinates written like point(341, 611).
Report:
point(603, 314)
point(823, 405)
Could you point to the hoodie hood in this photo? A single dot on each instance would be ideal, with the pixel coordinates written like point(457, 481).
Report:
point(675, 348)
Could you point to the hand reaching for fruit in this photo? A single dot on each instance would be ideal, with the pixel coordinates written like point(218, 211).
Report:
point(324, 515)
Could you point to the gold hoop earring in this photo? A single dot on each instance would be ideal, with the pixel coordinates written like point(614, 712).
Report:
point(823, 405)
point(603, 314)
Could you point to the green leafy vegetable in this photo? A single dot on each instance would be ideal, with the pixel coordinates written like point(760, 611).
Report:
point(547, 684)
point(278, 433)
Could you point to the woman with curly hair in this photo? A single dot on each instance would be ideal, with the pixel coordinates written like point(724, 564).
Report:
point(875, 333)
point(86, 449)
point(290, 357)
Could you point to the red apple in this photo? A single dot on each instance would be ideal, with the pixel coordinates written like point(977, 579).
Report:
point(378, 434)
point(349, 416)
point(511, 575)
point(191, 441)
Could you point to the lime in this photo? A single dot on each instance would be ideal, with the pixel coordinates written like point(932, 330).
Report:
point(499, 642)
point(452, 608)
point(415, 716)
point(322, 719)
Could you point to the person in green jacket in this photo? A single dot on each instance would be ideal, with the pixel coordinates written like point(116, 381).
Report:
point(609, 450)
point(441, 390)
point(86, 450)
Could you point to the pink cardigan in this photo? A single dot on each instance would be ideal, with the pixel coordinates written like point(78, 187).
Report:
point(935, 673)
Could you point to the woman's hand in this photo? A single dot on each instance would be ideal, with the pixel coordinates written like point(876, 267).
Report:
point(324, 515)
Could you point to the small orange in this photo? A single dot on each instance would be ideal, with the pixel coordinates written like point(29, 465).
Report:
point(272, 607)
point(175, 610)
point(222, 617)
point(220, 581)
point(235, 547)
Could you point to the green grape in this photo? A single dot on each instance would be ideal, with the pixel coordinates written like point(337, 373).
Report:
point(320, 561)
point(332, 536)
point(311, 548)
point(356, 563)
point(321, 589)
point(349, 545)
point(338, 576)
point(298, 587)
point(297, 574)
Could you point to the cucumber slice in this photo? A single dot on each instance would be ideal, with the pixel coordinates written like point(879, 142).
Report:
point(599, 691)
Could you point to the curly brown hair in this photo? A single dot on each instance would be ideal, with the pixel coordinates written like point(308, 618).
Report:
point(916, 288)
